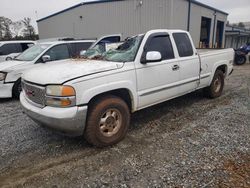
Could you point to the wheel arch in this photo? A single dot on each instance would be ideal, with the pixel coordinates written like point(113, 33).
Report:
point(220, 66)
point(123, 93)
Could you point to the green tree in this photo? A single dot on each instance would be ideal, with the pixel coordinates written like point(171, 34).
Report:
point(242, 25)
point(28, 30)
point(16, 28)
point(5, 32)
point(1, 28)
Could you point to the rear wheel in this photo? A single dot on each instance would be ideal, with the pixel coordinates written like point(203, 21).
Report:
point(217, 85)
point(240, 60)
point(17, 88)
point(108, 121)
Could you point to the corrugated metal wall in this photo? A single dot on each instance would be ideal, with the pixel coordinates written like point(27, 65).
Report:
point(128, 17)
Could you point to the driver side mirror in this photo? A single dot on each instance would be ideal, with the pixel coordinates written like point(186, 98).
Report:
point(46, 58)
point(152, 56)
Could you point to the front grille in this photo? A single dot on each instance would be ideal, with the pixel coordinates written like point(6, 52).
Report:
point(34, 93)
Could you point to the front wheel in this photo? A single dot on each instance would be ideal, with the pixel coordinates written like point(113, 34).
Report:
point(108, 121)
point(17, 88)
point(217, 85)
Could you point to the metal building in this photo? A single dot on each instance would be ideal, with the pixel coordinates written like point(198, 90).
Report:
point(236, 37)
point(129, 17)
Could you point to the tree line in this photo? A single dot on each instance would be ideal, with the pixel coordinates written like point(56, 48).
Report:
point(17, 30)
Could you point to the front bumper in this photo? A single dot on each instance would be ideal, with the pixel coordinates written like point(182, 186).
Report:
point(6, 90)
point(70, 121)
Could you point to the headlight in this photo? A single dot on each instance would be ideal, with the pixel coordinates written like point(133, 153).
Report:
point(60, 96)
point(62, 91)
point(2, 76)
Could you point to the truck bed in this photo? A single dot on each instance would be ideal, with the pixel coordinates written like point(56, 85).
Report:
point(213, 51)
point(210, 57)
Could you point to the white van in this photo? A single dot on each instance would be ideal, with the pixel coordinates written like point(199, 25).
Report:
point(10, 49)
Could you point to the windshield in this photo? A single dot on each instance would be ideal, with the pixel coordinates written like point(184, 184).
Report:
point(95, 51)
point(33, 52)
point(123, 53)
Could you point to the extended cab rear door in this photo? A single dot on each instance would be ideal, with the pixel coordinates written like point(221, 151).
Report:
point(188, 61)
point(157, 81)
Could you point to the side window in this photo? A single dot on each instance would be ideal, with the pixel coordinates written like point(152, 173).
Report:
point(18, 48)
point(161, 44)
point(25, 46)
point(183, 44)
point(7, 49)
point(58, 52)
point(78, 47)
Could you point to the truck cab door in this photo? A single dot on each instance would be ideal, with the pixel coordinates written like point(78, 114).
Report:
point(189, 63)
point(157, 81)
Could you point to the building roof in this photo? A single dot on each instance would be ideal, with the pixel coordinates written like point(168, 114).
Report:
point(208, 7)
point(232, 30)
point(108, 1)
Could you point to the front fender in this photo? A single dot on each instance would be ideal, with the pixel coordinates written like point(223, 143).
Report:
point(84, 95)
point(13, 77)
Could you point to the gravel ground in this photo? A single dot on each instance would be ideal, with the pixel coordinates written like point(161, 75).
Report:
point(186, 142)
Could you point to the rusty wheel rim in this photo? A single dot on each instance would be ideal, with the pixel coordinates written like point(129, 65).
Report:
point(110, 122)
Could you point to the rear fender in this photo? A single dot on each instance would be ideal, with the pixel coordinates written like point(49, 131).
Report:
point(216, 66)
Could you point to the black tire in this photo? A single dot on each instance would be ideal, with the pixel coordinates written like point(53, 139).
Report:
point(8, 58)
point(240, 60)
point(217, 85)
point(17, 88)
point(108, 121)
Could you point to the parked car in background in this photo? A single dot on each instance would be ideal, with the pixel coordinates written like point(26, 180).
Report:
point(10, 49)
point(37, 55)
point(95, 96)
point(241, 54)
point(42, 54)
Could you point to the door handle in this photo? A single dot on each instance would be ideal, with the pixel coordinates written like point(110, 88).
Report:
point(175, 67)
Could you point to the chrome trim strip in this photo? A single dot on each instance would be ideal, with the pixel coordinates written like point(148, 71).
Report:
point(205, 76)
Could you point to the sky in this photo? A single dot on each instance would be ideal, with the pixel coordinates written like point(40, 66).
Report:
point(36, 9)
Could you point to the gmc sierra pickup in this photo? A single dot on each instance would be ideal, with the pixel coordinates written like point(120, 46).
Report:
point(95, 96)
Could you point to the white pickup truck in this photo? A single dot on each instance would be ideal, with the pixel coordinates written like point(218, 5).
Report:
point(95, 97)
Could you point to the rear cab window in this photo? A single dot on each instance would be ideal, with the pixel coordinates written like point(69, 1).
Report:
point(183, 44)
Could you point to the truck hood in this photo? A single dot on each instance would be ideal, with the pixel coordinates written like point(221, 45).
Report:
point(8, 66)
point(66, 70)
